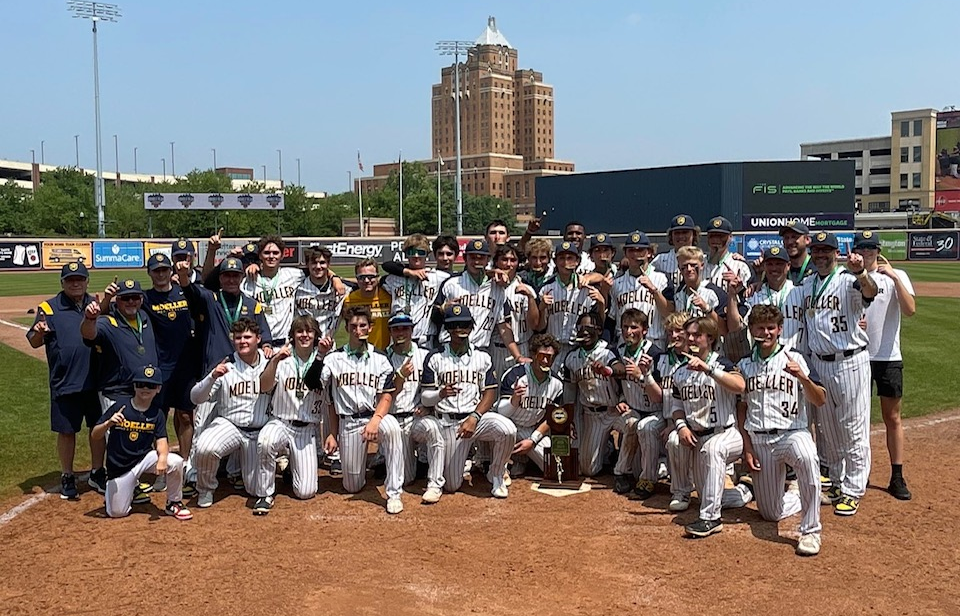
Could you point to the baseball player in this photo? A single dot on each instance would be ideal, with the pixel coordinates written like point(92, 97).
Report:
point(359, 385)
point(73, 392)
point(681, 483)
point(524, 312)
point(796, 241)
point(239, 412)
point(458, 382)
point(526, 392)
point(295, 410)
point(318, 295)
point(771, 416)
point(724, 265)
point(895, 297)
point(415, 290)
point(183, 249)
point(418, 428)
point(602, 252)
point(699, 296)
point(836, 299)
point(370, 294)
point(132, 427)
point(683, 231)
point(641, 287)
point(642, 395)
point(497, 234)
point(563, 300)
point(704, 413)
point(274, 287)
point(538, 252)
point(446, 248)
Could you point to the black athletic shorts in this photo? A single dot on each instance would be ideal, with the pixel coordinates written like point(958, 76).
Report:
point(68, 412)
point(888, 375)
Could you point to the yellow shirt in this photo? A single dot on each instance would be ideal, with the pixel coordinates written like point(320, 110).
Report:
point(379, 309)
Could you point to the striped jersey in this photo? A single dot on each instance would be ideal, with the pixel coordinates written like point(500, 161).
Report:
point(487, 302)
point(277, 295)
point(291, 400)
point(415, 297)
point(471, 372)
point(834, 305)
point(667, 365)
point(519, 307)
point(592, 389)
point(705, 404)
point(774, 398)
point(789, 299)
point(320, 302)
point(353, 381)
point(236, 395)
point(407, 399)
point(714, 273)
point(540, 394)
point(627, 292)
point(633, 392)
point(883, 317)
point(712, 294)
point(569, 302)
point(666, 264)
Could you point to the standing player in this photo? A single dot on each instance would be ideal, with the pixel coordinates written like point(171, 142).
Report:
point(894, 298)
point(497, 234)
point(723, 266)
point(415, 290)
point(375, 298)
point(418, 428)
point(445, 251)
point(132, 427)
point(641, 288)
point(275, 288)
point(772, 418)
point(682, 232)
point(318, 295)
point(458, 382)
point(796, 241)
point(836, 299)
point(698, 296)
point(73, 392)
point(563, 300)
point(524, 313)
point(538, 253)
point(358, 381)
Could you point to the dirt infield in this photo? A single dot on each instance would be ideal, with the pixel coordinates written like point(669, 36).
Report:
point(593, 553)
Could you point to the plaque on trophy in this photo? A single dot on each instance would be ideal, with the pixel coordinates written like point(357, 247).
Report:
point(561, 463)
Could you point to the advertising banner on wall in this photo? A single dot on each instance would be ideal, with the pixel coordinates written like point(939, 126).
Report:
point(152, 248)
point(212, 201)
point(798, 187)
point(947, 201)
point(19, 256)
point(291, 251)
point(814, 222)
point(755, 243)
point(118, 254)
point(56, 253)
point(939, 245)
point(893, 245)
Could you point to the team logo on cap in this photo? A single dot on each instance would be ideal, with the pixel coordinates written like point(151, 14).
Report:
point(128, 284)
point(457, 310)
point(821, 236)
point(775, 250)
point(478, 244)
point(251, 247)
point(181, 244)
point(635, 237)
point(231, 263)
point(601, 237)
point(160, 257)
point(868, 234)
point(681, 220)
point(73, 267)
point(717, 222)
point(565, 245)
point(149, 372)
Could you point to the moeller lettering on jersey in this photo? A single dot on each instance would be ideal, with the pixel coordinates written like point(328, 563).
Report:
point(430, 293)
point(477, 301)
point(364, 379)
point(585, 373)
point(777, 382)
point(825, 302)
point(315, 303)
point(136, 426)
point(563, 305)
point(639, 295)
point(279, 293)
point(245, 388)
point(168, 306)
point(533, 402)
point(698, 392)
point(452, 377)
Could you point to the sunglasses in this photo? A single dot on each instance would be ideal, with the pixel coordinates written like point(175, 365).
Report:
point(146, 386)
point(366, 277)
point(415, 252)
point(129, 298)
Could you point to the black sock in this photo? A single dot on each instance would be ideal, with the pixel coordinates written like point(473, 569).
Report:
point(897, 472)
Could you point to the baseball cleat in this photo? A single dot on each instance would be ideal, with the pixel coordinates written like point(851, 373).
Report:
point(847, 506)
point(160, 485)
point(394, 505)
point(98, 480)
point(263, 505)
point(679, 503)
point(139, 496)
point(622, 484)
point(898, 489)
point(830, 496)
point(178, 510)
point(68, 487)
point(432, 495)
point(205, 499)
point(703, 528)
point(644, 489)
point(237, 482)
point(336, 468)
point(189, 489)
point(499, 488)
point(145, 487)
point(808, 545)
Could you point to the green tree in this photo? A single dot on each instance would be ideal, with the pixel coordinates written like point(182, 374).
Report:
point(58, 202)
point(16, 209)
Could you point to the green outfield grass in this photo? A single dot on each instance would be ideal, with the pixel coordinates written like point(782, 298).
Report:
point(931, 271)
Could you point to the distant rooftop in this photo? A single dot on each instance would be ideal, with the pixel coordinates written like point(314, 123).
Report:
point(492, 36)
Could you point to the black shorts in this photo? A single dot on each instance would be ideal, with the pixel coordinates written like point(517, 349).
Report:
point(68, 412)
point(888, 375)
point(176, 391)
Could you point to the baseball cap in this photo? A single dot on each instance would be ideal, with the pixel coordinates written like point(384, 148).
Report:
point(637, 239)
point(824, 238)
point(476, 247)
point(231, 264)
point(129, 287)
point(400, 319)
point(866, 239)
point(775, 252)
point(182, 246)
point(600, 239)
point(457, 314)
point(148, 375)
point(76, 268)
point(719, 224)
point(796, 226)
point(566, 246)
point(158, 260)
point(680, 222)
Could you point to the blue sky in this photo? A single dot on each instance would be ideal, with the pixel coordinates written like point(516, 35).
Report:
point(637, 83)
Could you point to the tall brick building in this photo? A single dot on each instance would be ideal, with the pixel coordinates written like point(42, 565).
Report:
point(506, 125)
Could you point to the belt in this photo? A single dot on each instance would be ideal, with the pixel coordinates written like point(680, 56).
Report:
point(596, 409)
point(360, 415)
point(647, 413)
point(710, 431)
point(774, 431)
point(457, 416)
point(403, 415)
point(248, 430)
point(300, 424)
point(844, 355)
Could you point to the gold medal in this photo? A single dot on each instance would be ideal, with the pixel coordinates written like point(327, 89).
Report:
point(301, 394)
point(141, 350)
point(811, 312)
point(268, 309)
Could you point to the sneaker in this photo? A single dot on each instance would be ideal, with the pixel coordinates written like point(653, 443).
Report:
point(190, 489)
point(847, 505)
point(507, 480)
point(160, 485)
point(98, 480)
point(336, 468)
point(68, 487)
point(679, 503)
point(825, 481)
point(263, 505)
point(145, 487)
point(499, 488)
point(178, 510)
point(704, 528)
point(432, 495)
point(643, 489)
point(662, 471)
point(394, 506)
point(809, 545)
point(139, 496)
point(898, 489)
point(830, 496)
point(622, 484)
point(205, 499)
point(747, 482)
point(237, 482)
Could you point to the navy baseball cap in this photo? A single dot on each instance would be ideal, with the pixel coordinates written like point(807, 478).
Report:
point(719, 224)
point(600, 239)
point(566, 246)
point(231, 264)
point(866, 239)
point(681, 222)
point(400, 319)
point(148, 375)
point(158, 260)
point(182, 246)
point(775, 252)
point(796, 226)
point(457, 314)
point(824, 238)
point(129, 287)
point(77, 268)
point(476, 247)
point(637, 239)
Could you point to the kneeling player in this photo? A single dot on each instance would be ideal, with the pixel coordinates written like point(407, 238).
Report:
point(135, 423)
point(773, 421)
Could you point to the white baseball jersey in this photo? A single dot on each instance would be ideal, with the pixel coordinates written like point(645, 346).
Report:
point(487, 302)
point(407, 399)
point(291, 400)
point(593, 389)
point(789, 299)
point(714, 273)
point(633, 392)
point(354, 382)
point(712, 294)
point(540, 394)
point(774, 397)
point(883, 317)
point(705, 404)
point(472, 373)
point(666, 264)
point(236, 395)
point(519, 307)
point(569, 302)
point(415, 297)
point(627, 292)
point(586, 263)
point(277, 295)
point(320, 302)
point(834, 305)
point(667, 365)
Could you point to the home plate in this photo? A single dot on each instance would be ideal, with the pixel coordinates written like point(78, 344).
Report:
point(584, 487)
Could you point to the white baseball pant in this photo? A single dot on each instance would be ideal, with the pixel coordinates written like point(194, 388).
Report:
point(708, 462)
point(492, 428)
point(596, 427)
point(425, 431)
point(353, 453)
point(120, 490)
point(648, 431)
point(774, 452)
point(220, 439)
point(300, 443)
point(105, 402)
point(537, 453)
point(502, 359)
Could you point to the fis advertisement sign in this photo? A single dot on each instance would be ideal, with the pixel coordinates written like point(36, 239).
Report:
point(118, 254)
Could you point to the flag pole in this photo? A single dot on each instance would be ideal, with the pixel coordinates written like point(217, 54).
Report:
point(360, 191)
point(439, 165)
point(400, 160)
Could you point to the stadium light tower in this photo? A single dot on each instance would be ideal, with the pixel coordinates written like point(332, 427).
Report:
point(455, 48)
point(96, 11)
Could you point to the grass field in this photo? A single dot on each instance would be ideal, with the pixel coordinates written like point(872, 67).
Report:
point(931, 272)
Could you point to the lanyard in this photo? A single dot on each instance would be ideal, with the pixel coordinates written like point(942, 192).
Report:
point(641, 349)
point(138, 332)
point(231, 318)
point(779, 298)
point(803, 269)
point(271, 290)
point(763, 360)
point(818, 291)
point(302, 368)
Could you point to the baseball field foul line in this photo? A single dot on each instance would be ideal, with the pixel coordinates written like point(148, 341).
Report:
point(30, 502)
point(17, 325)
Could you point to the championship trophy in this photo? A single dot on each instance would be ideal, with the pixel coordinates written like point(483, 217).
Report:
point(561, 462)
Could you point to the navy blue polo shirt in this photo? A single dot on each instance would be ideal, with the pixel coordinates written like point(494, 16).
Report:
point(213, 322)
point(68, 358)
point(117, 346)
point(172, 326)
point(129, 441)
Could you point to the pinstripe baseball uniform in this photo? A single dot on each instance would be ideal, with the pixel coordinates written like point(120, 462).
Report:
point(416, 297)
point(627, 292)
point(322, 303)
point(650, 421)
point(709, 410)
point(503, 360)
point(472, 373)
point(487, 302)
point(790, 300)
point(835, 304)
point(713, 295)
point(681, 483)
point(277, 295)
point(239, 411)
point(295, 412)
point(353, 382)
point(666, 264)
point(776, 421)
point(533, 405)
point(714, 273)
point(569, 302)
point(423, 430)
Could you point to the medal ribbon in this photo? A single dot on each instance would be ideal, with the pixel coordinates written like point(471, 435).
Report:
point(818, 291)
point(803, 268)
point(231, 318)
point(779, 298)
point(269, 292)
point(762, 360)
point(302, 371)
